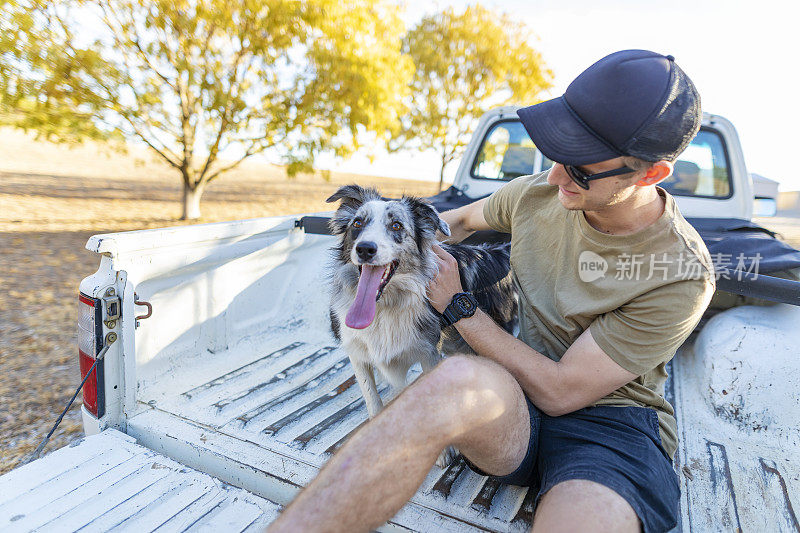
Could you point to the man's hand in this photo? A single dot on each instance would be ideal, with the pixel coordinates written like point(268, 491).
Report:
point(464, 221)
point(447, 282)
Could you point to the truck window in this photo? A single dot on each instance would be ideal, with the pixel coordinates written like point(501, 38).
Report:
point(506, 152)
point(702, 169)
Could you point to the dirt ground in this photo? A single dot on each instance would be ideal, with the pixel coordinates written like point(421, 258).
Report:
point(52, 199)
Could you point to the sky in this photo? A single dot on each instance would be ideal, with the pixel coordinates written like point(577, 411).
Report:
point(741, 56)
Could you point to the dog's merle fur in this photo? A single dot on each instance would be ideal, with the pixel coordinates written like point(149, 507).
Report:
point(406, 328)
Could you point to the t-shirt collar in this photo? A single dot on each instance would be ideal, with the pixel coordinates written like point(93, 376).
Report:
point(643, 235)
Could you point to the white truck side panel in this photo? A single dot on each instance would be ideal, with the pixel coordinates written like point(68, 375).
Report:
point(210, 285)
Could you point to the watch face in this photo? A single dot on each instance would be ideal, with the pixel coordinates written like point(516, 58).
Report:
point(465, 304)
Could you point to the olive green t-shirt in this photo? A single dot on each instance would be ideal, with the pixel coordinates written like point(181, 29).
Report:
point(640, 294)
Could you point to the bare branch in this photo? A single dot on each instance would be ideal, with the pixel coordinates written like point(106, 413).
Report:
point(224, 119)
point(109, 103)
point(254, 149)
point(163, 152)
point(135, 41)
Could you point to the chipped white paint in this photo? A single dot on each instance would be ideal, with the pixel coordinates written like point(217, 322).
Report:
point(736, 400)
point(750, 363)
point(107, 482)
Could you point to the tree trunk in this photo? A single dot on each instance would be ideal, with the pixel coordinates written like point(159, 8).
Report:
point(441, 174)
point(191, 202)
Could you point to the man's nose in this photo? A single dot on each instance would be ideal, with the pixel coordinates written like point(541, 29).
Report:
point(558, 175)
point(366, 250)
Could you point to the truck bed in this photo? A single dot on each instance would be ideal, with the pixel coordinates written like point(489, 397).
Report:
point(237, 374)
point(280, 430)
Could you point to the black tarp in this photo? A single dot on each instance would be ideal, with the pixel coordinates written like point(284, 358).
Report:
point(732, 237)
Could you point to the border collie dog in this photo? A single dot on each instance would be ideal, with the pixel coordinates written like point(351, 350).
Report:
point(381, 268)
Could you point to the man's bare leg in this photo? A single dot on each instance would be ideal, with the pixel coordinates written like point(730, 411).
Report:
point(465, 401)
point(582, 505)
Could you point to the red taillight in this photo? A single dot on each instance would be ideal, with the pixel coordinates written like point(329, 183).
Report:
point(90, 387)
point(90, 331)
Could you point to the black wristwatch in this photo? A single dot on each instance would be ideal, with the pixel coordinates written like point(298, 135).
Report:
point(463, 305)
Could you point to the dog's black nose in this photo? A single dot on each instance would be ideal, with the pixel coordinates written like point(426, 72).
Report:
point(366, 250)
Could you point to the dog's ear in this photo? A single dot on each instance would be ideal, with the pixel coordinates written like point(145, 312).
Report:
point(444, 227)
point(352, 197)
point(427, 218)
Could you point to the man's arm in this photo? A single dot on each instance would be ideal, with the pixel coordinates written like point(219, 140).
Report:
point(464, 221)
point(583, 375)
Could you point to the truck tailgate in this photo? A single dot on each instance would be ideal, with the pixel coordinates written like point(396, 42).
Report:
point(108, 482)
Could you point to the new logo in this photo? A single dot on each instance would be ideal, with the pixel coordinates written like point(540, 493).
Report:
point(591, 266)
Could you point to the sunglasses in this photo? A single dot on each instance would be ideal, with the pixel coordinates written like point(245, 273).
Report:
point(583, 179)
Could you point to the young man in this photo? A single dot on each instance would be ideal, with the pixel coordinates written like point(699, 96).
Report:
point(611, 281)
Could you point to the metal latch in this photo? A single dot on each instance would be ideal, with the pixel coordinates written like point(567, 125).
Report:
point(112, 308)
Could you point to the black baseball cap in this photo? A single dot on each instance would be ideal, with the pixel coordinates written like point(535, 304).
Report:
point(630, 103)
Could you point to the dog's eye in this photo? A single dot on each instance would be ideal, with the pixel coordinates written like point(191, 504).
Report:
point(357, 224)
point(396, 226)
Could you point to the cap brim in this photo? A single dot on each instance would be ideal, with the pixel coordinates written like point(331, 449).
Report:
point(561, 137)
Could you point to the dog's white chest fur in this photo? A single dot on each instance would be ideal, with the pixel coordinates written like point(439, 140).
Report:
point(394, 334)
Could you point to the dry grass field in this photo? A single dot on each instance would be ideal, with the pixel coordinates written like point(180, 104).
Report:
point(787, 228)
point(52, 198)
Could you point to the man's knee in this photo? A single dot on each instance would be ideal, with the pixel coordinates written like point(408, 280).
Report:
point(582, 505)
point(456, 372)
point(462, 373)
point(473, 386)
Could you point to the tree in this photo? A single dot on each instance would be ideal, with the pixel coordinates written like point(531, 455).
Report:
point(464, 64)
point(199, 80)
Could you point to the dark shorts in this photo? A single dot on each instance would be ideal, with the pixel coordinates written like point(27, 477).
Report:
point(619, 447)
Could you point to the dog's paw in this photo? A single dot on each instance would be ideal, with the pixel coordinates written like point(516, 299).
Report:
point(447, 457)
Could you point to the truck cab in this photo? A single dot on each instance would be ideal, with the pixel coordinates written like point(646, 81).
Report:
point(501, 150)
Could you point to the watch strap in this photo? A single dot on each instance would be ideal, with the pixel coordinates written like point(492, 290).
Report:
point(450, 315)
point(453, 314)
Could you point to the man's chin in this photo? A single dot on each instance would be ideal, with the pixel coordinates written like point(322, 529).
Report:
point(570, 202)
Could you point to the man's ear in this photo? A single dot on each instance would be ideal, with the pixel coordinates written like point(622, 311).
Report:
point(660, 171)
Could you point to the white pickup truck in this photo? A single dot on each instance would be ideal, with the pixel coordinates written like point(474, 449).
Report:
point(223, 392)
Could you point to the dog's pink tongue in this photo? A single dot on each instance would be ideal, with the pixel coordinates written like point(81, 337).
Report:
point(362, 312)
